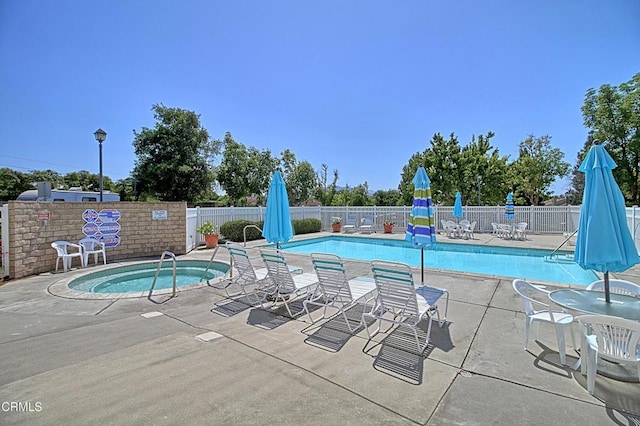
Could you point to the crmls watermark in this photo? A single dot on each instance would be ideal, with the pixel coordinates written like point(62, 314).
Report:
point(26, 406)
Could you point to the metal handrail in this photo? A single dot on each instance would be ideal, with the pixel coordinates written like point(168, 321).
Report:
point(210, 262)
point(244, 232)
point(173, 257)
point(563, 243)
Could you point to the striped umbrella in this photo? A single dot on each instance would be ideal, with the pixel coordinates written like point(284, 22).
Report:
point(604, 241)
point(457, 207)
point(421, 230)
point(509, 212)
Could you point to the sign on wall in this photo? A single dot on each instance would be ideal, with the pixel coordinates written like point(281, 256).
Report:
point(102, 225)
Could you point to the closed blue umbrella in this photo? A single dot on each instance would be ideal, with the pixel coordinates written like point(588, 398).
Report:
point(421, 230)
point(277, 223)
point(604, 241)
point(457, 207)
point(509, 212)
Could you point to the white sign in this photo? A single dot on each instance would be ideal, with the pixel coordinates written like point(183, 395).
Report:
point(159, 215)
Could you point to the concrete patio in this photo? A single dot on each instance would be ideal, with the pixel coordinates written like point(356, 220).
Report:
point(201, 359)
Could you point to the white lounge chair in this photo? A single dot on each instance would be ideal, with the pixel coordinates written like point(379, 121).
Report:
point(91, 246)
point(613, 338)
point(368, 224)
point(281, 285)
point(335, 290)
point(246, 275)
point(617, 286)
point(399, 303)
point(351, 224)
point(67, 256)
point(560, 320)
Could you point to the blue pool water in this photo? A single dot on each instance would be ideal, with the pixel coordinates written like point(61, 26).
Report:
point(137, 278)
point(530, 264)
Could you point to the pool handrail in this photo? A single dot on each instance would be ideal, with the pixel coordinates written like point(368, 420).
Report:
point(210, 262)
point(244, 232)
point(173, 258)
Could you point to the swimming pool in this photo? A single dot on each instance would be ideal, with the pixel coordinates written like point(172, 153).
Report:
point(136, 280)
point(530, 264)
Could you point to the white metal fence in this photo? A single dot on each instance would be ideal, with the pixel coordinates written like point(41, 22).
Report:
point(540, 219)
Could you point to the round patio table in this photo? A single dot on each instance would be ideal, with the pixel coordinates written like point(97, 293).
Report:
point(593, 302)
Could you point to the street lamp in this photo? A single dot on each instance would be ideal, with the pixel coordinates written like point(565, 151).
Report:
point(479, 182)
point(100, 136)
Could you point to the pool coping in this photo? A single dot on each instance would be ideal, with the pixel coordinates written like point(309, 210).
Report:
point(60, 288)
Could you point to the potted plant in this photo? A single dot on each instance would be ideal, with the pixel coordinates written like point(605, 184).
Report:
point(388, 226)
point(336, 224)
point(208, 229)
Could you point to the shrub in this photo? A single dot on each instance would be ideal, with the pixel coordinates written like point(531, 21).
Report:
point(306, 226)
point(233, 230)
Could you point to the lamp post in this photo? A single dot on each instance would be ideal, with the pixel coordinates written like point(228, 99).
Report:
point(100, 136)
point(479, 182)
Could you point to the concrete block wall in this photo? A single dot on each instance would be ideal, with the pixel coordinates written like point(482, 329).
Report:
point(140, 234)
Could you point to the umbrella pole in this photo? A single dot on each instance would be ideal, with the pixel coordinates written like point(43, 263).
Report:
point(607, 295)
point(422, 263)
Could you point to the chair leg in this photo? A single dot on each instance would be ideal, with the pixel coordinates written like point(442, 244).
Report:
point(527, 324)
point(561, 343)
point(592, 365)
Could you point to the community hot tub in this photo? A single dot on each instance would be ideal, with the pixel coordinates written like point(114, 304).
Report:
point(136, 280)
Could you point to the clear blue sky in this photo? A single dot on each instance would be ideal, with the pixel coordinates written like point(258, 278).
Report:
point(358, 85)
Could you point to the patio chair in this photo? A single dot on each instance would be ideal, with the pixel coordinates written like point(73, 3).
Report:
point(246, 275)
point(453, 229)
point(335, 290)
point(617, 286)
point(91, 246)
point(281, 285)
point(495, 229)
point(612, 338)
point(560, 320)
point(368, 224)
point(445, 227)
point(350, 225)
point(520, 231)
point(399, 300)
point(468, 231)
point(62, 248)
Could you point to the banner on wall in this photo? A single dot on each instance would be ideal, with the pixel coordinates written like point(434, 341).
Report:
point(102, 225)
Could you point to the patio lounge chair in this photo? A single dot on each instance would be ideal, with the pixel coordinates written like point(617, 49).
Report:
point(617, 286)
point(399, 303)
point(350, 225)
point(246, 275)
point(91, 246)
point(281, 285)
point(368, 224)
point(560, 320)
point(612, 338)
point(335, 290)
point(62, 249)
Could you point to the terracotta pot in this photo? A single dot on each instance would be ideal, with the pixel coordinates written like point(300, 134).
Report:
point(388, 229)
point(211, 240)
point(335, 227)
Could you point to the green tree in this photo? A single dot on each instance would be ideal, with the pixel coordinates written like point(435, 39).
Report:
point(173, 158)
point(52, 176)
point(13, 183)
point(244, 171)
point(536, 168)
point(389, 197)
point(612, 114)
point(452, 168)
point(301, 182)
point(87, 181)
